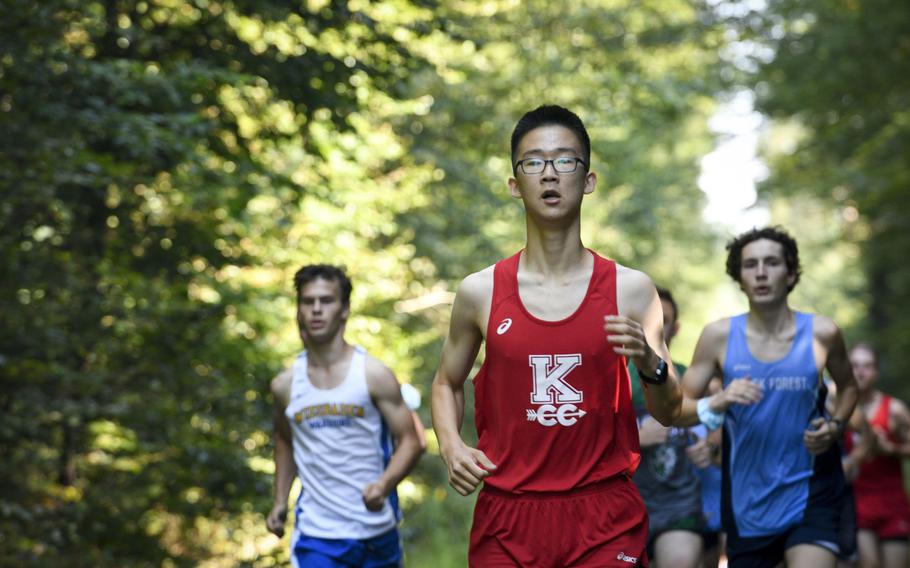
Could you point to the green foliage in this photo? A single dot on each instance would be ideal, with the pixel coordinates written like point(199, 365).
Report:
point(841, 78)
point(166, 166)
point(153, 152)
point(640, 75)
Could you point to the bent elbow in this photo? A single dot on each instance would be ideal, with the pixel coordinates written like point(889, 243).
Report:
point(669, 414)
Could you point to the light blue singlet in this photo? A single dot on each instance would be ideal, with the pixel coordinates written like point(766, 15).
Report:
point(768, 466)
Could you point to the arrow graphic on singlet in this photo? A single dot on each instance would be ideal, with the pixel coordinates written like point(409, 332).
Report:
point(535, 415)
point(567, 415)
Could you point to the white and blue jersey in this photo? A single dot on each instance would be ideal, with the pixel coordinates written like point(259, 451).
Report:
point(341, 445)
point(770, 480)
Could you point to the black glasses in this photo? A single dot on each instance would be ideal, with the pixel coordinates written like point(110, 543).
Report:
point(534, 166)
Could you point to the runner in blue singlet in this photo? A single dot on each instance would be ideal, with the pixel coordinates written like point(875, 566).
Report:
point(783, 486)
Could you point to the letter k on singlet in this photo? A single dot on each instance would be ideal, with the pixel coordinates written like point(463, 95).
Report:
point(549, 386)
point(556, 396)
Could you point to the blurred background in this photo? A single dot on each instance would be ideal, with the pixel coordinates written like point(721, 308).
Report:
point(166, 166)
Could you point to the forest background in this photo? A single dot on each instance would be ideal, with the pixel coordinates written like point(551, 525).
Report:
point(166, 165)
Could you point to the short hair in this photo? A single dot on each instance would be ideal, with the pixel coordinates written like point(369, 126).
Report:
point(776, 234)
point(329, 272)
point(547, 115)
point(868, 347)
point(666, 296)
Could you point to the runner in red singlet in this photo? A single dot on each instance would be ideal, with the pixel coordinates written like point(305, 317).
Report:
point(882, 510)
point(558, 439)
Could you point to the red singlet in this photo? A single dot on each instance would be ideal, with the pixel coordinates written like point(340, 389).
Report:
point(553, 401)
point(881, 502)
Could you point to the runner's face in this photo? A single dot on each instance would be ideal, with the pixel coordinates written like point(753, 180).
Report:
point(551, 194)
point(865, 368)
point(764, 276)
point(320, 312)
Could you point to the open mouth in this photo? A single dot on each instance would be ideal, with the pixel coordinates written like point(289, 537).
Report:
point(550, 195)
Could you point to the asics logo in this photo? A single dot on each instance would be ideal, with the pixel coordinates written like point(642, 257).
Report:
point(504, 326)
point(626, 558)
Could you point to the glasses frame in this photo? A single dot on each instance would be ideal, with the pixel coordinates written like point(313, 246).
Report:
point(519, 165)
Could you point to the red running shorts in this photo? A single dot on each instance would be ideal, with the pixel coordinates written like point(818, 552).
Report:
point(602, 525)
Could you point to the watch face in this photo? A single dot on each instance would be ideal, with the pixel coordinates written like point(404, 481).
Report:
point(660, 374)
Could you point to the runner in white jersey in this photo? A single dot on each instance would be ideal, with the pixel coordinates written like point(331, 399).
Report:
point(338, 411)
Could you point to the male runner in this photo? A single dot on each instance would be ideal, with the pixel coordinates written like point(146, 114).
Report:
point(666, 478)
point(783, 486)
point(882, 510)
point(337, 412)
point(557, 435)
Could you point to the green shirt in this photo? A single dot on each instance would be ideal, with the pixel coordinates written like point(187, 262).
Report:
point(665, 477)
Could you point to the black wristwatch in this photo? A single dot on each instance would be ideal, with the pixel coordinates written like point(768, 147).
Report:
point(660, 374)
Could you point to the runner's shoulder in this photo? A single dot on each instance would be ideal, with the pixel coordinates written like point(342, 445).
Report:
point(825, 329)
point(281, 384)
point(634, 280)
point(898, 408)
point(380, 378)
point(635, 291)
point(716, 333)
point(476, 287)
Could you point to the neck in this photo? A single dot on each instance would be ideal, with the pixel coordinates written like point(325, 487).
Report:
point(866, 396)
point(771, 319)
point(326, 354)
point(554, 250)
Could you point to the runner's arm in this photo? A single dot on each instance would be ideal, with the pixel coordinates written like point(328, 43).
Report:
point(863, 447)
point(900, 419)
point(386, 394)
point(637, 333)
point(285, 468)
point(467, 466)
point(822, 433)
point(706, 364)
point(703, 367)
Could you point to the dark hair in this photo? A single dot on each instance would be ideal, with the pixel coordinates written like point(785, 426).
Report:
point(868, 347)
point(666, 296)
point(776, 234)
point(547, 115)
point(311, 272)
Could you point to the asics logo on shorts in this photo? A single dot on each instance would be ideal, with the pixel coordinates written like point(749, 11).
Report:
point(504, 326)
point(557, 397)
point(630, 559)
